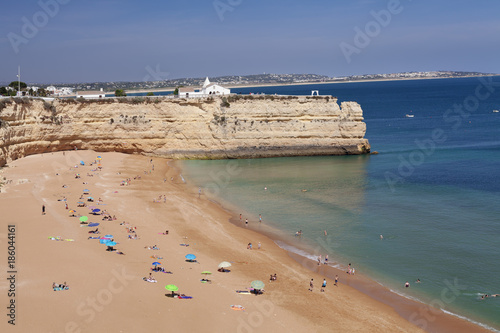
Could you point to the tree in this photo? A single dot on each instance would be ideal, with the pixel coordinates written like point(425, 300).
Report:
point(15, 85)
point(120, 93)
point(41, 92)
point(150, 93)
point(176, 91)
point(4, 91)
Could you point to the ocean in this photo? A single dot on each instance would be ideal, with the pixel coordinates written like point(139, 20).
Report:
point(432, 192)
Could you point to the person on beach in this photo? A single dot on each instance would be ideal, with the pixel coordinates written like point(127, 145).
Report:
point(43, 209)
point(336, 280)
point(407, 284)
point(240, 217)
point(323, 286)
point(199, 192)
point(311, 285)
point(258, 246)
point(260, 218)
point(349, 269)
point(326, 259)
point(319, 260)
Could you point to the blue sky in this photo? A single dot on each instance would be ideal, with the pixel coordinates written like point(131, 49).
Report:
point(83, 41)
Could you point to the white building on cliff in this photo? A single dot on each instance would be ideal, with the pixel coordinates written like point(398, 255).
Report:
point(205, 91)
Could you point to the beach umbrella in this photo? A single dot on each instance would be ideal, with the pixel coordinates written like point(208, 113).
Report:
point(224, 264)
point(93, 224)
point(99, 157)
point(172, 288)
point(108, 236)
point(72, 211)
point(80, 202)
point(257, 284)
point(86, 191)
point(97, 210)
point(111, 243)
point(83, 218)
point(104, 240)
point(91, 198)
point(156, 263)
point(206, 272)
point(190, 257)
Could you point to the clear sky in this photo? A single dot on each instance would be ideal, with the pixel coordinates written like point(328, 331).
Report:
point(123, 40)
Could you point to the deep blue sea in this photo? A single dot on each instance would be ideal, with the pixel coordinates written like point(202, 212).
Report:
point(433, 191)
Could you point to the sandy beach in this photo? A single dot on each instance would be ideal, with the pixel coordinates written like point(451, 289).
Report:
point(107, 292)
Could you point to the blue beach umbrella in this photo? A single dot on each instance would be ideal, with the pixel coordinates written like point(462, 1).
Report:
point(190, 257)
point(97, 210)
point(108, 236)
point(156, 263)
point(93, 224)
point(82, 162)
point(91, 198)
point(104, 241)
point(86, 190)
point(111, 243)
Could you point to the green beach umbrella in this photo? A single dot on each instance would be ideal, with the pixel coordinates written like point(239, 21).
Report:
point(172, 288)
point(257, 284)
point(206, 272)
point(83, 218)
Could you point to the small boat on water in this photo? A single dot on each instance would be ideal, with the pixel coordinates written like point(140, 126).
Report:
point(410, 115)
point(495, 111)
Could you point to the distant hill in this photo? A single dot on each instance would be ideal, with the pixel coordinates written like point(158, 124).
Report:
point(258, 79)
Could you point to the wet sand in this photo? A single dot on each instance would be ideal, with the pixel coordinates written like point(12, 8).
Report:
point(107, 292)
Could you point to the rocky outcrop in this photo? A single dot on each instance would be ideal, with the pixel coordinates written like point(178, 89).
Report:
point(211, 128)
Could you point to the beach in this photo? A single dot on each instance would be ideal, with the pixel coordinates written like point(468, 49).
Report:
point(107, 292)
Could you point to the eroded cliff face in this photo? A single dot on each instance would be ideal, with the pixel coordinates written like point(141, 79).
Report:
point(248, 127)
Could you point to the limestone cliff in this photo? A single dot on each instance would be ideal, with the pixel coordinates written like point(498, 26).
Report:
point(214, 127)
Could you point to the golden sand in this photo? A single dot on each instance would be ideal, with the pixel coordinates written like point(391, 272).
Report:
point(107, 292)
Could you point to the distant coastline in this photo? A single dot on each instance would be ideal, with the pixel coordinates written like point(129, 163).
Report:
point(235, 86)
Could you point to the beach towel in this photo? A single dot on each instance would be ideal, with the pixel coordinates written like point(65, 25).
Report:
point(237, 307)
point(59, 288)
point(184, 244)
point(243, 292)
point(184, 297)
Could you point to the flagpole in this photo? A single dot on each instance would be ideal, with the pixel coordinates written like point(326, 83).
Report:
point(19, 78)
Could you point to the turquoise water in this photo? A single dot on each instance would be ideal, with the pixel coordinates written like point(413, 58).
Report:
point(432, 192)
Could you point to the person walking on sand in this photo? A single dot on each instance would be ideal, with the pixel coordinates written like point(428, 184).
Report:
point(199, 192)
point(258, 246)
point(311, 285)
point(43, 209)
point(323, 286)
point(336, 280)
point(260, 218)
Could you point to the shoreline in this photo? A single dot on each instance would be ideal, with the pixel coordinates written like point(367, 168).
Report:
point(236, 86)
point(94, 273)
point(427, 317)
